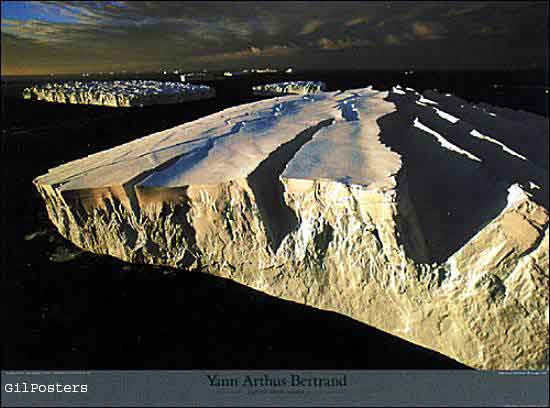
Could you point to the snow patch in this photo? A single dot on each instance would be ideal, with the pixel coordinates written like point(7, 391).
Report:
point(515, 195)
point(446, 116)
point(444, 142)
point(426, 100)
point(475, 133)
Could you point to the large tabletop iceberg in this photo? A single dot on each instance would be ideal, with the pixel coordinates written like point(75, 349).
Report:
point(422, 215)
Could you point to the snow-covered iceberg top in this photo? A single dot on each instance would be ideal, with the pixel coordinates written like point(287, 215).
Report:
point(118, 93)
point(289, 87)
point(345, 147)
point(230, 145)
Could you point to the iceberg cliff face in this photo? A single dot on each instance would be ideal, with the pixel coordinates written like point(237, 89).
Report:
point(371, 204)
point(118, 93)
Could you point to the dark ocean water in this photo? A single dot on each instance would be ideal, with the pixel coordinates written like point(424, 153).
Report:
point(94, 311)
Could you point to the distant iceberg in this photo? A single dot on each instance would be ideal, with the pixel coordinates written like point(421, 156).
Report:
point(290, 87)
point(118, 93)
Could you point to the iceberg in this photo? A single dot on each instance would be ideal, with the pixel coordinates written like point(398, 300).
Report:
point(289, 87)
point(360, 202)
point(118, 93)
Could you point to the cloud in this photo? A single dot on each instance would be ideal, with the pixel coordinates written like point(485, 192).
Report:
point(356, 21)
point(270, 51)
point(422, 30)
point(177, 34)
point(425, 31)
point(468, 9)
point(43, 32)
point(327, 44)
point(392, 39)
point(491, 31)
point(311, 26)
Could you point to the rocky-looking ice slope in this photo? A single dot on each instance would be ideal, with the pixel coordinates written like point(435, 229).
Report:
point(422, 215)
point(289, 87)
point(118, 93)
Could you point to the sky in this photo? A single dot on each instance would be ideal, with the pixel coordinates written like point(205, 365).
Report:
point(41, 37)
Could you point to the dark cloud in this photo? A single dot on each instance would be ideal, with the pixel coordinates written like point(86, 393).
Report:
point(356, 20)
point(328, 44)
point(428, 31)
point(192, 35)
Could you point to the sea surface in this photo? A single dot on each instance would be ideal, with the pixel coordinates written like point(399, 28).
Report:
point(68, 309)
